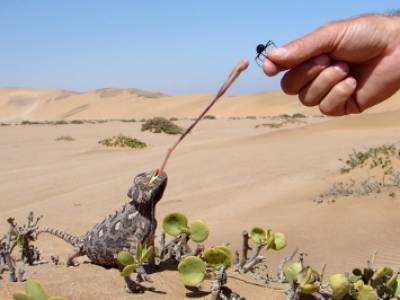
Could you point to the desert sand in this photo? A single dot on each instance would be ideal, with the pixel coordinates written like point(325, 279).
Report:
point(227, 172)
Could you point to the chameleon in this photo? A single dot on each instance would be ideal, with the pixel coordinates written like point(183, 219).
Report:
point(134, 222)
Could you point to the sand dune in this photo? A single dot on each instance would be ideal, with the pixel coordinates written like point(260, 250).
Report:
point(227, 172)
point(18, 104)
point(39, 105)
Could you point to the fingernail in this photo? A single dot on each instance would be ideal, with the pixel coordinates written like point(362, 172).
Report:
point(351, 81)
point(279, 52)
point(322, 60)
point(342, 68)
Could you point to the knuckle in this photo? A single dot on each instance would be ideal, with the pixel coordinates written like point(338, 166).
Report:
point(342, 90)
point(326, 110)
point(305, 98)
point(288, 85)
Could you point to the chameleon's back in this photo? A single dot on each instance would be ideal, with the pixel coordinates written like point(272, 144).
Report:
point(114, 234)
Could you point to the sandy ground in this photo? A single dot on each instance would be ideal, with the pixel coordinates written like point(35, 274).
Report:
point(227, 173)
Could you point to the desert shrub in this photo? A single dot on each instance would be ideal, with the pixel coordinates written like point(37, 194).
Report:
point(59, 122)
point(26, 122)
point(77, 122)
point(270, 125)
point(65, 138)
point(173, 119)
point(159, 124)
point(298, 115)
point(123, 141)
point(374, 157)
point(128, 120)
point(251, 117)
point(209, 117)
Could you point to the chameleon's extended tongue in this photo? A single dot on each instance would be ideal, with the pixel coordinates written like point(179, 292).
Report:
point(239, 68)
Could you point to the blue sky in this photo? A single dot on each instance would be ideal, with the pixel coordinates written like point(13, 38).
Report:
point(170, 46)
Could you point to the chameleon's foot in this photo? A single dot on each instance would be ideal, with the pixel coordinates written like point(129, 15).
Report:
point(72, 264)
point(133, 286)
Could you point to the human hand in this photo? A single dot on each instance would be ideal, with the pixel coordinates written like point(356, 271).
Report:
point(344, 67)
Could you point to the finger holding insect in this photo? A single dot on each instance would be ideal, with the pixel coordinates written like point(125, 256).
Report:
point(270, 68)
point(297, 78)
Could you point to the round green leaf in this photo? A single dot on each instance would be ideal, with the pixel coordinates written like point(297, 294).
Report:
point(258, 235)
point(125, 258)
point(366, 292)
point(128, 270)
point(35, 290)
point(21, 296)
point(340, 286)
point(174, 223)
point(228, 254)
point(217, 256)
point(279, 241)
point(397, 290)
point(198, 231)
point(292, 270)
point(192, 270)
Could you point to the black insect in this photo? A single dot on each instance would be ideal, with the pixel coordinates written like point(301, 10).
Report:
point(262, 52)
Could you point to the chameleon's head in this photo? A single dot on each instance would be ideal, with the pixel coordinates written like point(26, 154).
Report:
point(148, 188)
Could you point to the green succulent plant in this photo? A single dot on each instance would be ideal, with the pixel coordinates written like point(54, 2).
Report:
point(130, 263)
point(340, 286)
point(217, 256)
point(365, 292)
point(274, 241)
point(35, 291)
point(192, 269)
point(292, 270)
point(309, 281)
point(176, 224)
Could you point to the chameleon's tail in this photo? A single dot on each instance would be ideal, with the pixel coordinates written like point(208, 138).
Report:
point(69, 238)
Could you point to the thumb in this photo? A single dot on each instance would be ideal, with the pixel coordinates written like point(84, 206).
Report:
point(322, 40)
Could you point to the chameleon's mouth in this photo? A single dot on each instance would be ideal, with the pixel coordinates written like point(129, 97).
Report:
point(153, 177)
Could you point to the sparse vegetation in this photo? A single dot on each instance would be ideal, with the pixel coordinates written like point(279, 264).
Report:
point(382, 166)
point(67, 138)
point(20, 237)
point(283, 120)
point(159, 124)
point(173, 119)
point(367, 283)
point(123, 141)
point(378, 157)
point(209, 117)
point(128, 120)
point(270, 125)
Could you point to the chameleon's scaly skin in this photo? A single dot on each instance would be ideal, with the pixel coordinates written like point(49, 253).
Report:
point(134, 222)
